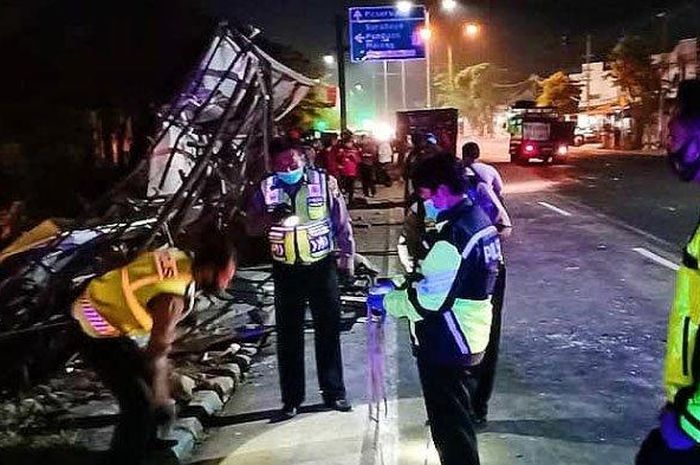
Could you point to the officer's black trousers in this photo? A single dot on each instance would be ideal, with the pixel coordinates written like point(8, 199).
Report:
point(486, 371)
point(654, 451)
point(124, 369)
point(317, 285)
point(447, 400)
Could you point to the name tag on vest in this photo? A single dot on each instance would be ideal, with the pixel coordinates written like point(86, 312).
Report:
point(166, 265)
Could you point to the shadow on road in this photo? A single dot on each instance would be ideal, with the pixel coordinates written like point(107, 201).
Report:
point(220, 421)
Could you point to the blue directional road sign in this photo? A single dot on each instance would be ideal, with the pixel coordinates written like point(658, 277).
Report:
point(385, 33)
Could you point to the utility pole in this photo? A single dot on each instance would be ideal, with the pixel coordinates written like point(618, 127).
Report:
point(663, 71)
point(589, 56)
point(428, 80)
point(450, 66)
point(386, 88)
point(340, 59)
point(403, 85)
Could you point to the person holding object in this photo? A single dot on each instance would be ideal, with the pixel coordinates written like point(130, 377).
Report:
point(677, 439)
point(448, 305)
point(147, 297)
point(305, 217)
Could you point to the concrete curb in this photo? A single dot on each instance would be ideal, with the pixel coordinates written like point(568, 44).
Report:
point(210, 395)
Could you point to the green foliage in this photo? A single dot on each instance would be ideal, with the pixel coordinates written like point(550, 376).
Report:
point(559, 91)
point(632, 70)
point(474, 92)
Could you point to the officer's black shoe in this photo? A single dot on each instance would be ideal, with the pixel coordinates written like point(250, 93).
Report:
point(341, 405)
point(287, 413)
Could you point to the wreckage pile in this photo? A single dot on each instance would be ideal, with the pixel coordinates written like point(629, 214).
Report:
point(212, 140)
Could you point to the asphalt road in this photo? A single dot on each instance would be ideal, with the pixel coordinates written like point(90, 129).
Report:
point(590, 279)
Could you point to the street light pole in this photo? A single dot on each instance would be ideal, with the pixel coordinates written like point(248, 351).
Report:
point(450, 65)
point(664, 73)
point(340, 59)
point(428, 80)
point(403, 84)
point(386, 88)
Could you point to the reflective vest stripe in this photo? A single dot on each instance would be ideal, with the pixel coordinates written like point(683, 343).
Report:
point(91, 321)
point(457, 334)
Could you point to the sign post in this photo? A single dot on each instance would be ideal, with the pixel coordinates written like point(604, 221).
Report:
point(385, 33)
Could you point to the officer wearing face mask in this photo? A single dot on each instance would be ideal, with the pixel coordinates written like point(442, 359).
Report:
point(305, 218)
point(448, 306)
point(677, 439)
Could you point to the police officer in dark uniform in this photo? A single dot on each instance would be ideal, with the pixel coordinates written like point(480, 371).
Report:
point(448, 305)
point(304, 215)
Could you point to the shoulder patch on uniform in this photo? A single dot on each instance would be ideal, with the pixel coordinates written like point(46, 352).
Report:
point(166, 265)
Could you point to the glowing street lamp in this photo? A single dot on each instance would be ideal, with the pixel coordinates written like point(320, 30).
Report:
point(404, 6)
point(471, 30)
point(425, 33)
point(449, 5)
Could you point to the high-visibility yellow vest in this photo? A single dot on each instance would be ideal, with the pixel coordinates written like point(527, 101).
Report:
point(682, 379)
point(116, 303)
point(311, 239)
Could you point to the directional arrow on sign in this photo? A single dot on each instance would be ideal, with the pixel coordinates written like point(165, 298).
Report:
point(359, 38)
point(357, 15)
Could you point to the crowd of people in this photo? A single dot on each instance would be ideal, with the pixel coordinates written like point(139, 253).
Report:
point(353, 160)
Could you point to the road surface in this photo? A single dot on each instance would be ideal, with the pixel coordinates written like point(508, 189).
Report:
point(590, 278)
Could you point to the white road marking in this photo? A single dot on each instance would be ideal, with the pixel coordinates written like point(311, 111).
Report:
point(655, 258)
point(555, 209)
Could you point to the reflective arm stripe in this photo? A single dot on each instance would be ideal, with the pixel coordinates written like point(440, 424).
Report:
point(489, 231)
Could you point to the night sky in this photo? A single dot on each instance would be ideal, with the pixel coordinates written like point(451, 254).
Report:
point(528, 33)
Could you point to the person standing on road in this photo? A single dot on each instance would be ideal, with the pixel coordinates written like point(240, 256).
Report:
point(486, 189)
point(385, 159)
point(368, 167)
point(147, 297)
point(448, 305)
point(304, 215)
point(349, 158)
point(487, 173)
point(677, 440)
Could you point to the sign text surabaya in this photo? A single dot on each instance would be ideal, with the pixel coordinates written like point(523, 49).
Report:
point(385, 13)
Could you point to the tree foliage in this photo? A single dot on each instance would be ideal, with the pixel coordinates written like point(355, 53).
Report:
point(559, 91)
point(632, 70)
point(474, 92)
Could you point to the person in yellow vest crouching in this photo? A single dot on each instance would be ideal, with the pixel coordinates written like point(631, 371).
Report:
point(145, 300)
point(677, 439)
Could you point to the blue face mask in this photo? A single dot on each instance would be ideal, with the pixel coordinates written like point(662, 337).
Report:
point(431, 211)
point(290, 177)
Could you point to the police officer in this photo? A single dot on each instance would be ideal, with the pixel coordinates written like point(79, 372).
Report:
point(486, 190)
point(144, 299)
point(449, 306)
point(305, 217)
point(677, 440)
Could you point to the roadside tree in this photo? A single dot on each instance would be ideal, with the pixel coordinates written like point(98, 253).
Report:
point(632, 70)
point(560, 92)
